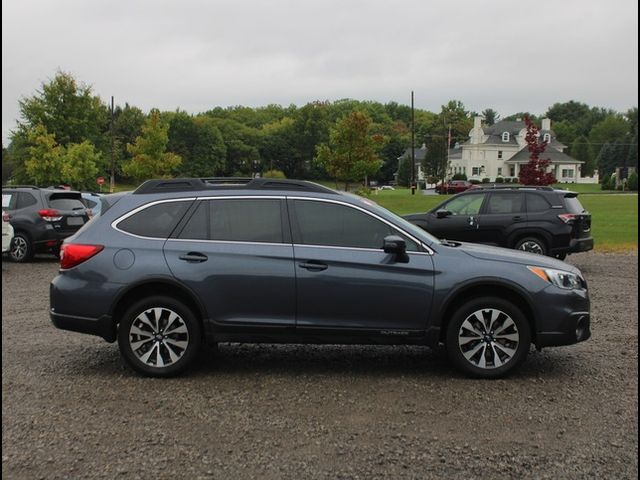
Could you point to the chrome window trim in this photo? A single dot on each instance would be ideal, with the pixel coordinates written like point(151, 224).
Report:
point(230, 242)
point(429, 251)
point(360, 249)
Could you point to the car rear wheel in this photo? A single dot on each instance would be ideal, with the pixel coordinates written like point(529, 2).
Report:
point(488, 337)
point(21, 248)
point(532, 245)
point(159, 336)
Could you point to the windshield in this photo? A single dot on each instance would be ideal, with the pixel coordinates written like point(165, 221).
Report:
point(405, 225)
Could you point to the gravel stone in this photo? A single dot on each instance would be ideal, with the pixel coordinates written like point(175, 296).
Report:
point(72, 409)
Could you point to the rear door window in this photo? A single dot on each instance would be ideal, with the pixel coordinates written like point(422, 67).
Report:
point(537, 203)
point(236, 220)
point(156, 221)
point(505, 202)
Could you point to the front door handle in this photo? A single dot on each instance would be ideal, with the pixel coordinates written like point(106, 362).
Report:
point(517, 218)
point(313, 266)
point(194, 257)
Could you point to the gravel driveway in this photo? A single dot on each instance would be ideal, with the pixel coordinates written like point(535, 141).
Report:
point(71, 409)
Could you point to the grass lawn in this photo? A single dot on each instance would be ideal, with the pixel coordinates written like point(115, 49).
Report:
point(614, 220)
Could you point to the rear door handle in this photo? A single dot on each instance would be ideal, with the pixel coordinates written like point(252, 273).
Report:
point(194, 257)
point(517, 218)
point(314, 266)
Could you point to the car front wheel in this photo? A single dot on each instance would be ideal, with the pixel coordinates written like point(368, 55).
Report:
point(488, 337)
point(159, 336)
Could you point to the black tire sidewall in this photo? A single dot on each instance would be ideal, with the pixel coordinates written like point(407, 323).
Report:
point(453, 327)
point(192, 324)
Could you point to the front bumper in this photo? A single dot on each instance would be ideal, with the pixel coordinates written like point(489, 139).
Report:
point(573, 329)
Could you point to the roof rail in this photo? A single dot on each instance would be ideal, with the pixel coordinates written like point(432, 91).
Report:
point(503, 186)
point(229, 183)
point(21, 186)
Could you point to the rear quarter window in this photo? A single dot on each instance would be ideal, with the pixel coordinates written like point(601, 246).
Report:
point(573, 205)
point(537, 203)
point(156, 221)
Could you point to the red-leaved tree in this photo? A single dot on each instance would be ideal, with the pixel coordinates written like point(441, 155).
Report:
point(535, 172)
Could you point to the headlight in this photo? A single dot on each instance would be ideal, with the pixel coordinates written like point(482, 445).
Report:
point(560, 278)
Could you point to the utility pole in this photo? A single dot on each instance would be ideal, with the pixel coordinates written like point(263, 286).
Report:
point(413, 149)
point(112, 180)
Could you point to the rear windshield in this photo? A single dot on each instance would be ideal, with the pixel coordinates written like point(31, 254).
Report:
point(574, 205)
point(66, 201)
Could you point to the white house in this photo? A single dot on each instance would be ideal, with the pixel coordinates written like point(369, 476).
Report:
point(500, 150)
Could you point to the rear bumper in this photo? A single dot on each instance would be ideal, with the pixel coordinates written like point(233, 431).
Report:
point(573, 329)
point(580, 245)
point(102, 327)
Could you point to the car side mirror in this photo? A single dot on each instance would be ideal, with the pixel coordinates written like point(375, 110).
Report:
point(397, 246)
point(442, 213)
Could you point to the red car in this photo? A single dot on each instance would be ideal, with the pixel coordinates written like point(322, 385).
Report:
point(453, 186)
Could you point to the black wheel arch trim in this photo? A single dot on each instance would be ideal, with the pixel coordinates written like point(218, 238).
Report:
point(484, 282)
point(518, 235)
point(163, 279)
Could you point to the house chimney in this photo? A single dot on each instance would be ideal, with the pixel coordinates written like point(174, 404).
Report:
point(477, 122)
point(546, 124)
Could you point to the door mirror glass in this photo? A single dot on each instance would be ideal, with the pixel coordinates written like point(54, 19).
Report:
point(397, 246)
point(442, 213)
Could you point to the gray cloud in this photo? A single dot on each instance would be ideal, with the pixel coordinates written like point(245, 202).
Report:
point(500, 54)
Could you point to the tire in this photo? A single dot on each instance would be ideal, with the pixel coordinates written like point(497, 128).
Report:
point(21, 248)
point(532, 245)
point(561, 256)
point(487, 337)
point(159, 336)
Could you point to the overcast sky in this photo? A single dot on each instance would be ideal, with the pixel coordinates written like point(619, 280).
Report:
point(507, 55)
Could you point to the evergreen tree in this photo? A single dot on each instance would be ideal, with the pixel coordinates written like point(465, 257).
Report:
point(581, 150)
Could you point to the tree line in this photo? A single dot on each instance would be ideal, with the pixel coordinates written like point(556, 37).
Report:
point(68, 134)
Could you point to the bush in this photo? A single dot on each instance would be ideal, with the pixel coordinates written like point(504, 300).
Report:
point(459, 176)
point(486, 180)
point(499, 180)
point(632, 182)
point(606, 183)
point(363, 192)
point(274, 174)
point(474, 181)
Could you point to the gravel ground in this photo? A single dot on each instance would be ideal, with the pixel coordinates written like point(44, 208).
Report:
point(71, 409)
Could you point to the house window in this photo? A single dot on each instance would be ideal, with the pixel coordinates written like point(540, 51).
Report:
point(499, 171)
point(512, 171)
point(475, 171)
point(499, 154)
point(505, 136)
point(547, 137)
point(567, 173)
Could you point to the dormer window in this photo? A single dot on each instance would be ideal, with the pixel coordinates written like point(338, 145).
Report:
point(505, 136)
point(546, 138)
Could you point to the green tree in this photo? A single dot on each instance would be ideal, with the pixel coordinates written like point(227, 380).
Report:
point(632, 156)
point(150, 159)
point(277, 146)
point(311, 128)
point(610, 129)
point(581, 150)
point(454, 115)
point(352, 152)
point(199, 143)
point(45, 161)
point(68, 110)
point(80, 165)
point(127, 126)
point(7, 165)
point(435, 160)
point(606, 160)
point(490, 116)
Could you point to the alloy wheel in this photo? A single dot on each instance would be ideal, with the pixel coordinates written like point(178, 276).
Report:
point(488, 338)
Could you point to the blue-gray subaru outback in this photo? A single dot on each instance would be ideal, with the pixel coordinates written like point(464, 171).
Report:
point(180, 262)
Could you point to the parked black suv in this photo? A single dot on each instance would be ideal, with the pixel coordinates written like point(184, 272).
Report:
point(534, 219)
point(276, 261)
point(41, 218)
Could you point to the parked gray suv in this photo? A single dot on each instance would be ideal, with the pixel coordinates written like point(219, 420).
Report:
point(178, 262)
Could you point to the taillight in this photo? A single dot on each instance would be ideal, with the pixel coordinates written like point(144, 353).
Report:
point(72, 254)
point(6, 217)
point(50, 215)
point(568, 218)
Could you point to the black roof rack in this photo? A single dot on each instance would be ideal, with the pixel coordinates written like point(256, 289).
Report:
point(33, 187)
point(511, 187)
point(229, 183)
